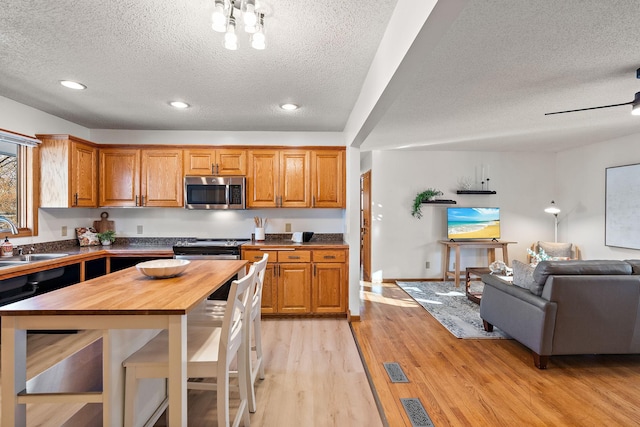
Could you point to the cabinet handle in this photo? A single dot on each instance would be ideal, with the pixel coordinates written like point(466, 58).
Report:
point(142, 204)
point(136, 200)
point(314, 269)
point(217, 169)
point(293, 257)
point(75, 203)
point(329, 257)
point(213, 170)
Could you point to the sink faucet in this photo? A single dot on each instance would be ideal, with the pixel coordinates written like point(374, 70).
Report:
point(12, 226)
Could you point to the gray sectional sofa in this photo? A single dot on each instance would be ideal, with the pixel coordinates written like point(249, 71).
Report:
point(568, 307)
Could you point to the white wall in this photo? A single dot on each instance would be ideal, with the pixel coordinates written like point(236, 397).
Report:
point(581, 194)
point(29, 121)
point(113, 136)
point(525, 184)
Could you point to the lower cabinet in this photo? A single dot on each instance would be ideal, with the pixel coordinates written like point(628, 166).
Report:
point(302, 282)
point(294, 291)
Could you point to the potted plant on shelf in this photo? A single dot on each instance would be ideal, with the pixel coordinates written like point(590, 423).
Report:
point(107, 237)
point(425, 196)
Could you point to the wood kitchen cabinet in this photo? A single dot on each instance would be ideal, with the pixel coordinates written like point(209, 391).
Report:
point(141, 177)
point(328, 179)
point(294, 282)
point(296, 178)
point(68, 172)
point(279, 178)
point(329, 282)
point(303, 281)
point(219, 161)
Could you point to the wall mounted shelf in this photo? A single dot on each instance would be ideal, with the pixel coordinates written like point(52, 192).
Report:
point(440, 202)
point(475, 192)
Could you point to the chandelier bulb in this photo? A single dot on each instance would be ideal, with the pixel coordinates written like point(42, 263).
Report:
point(230, 37)
point(219, 18)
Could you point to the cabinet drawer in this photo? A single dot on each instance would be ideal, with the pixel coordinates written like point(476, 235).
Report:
point(254, 255)
point(331, 255)
point(294, 256)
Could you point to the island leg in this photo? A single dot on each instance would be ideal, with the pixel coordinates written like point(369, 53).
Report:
point(14, 373)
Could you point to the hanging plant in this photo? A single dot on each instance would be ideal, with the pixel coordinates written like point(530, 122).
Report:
point(426, 195)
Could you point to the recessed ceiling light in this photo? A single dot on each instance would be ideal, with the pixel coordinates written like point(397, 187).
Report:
point(289, 107)
point(179, 104)
point(72, 85)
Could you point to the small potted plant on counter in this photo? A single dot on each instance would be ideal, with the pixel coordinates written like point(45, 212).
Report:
point(107, 237)
point(426, 195)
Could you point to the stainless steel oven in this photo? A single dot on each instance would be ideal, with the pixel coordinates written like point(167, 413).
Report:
point(211, 249)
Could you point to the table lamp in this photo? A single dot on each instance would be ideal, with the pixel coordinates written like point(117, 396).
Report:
point(554, 210)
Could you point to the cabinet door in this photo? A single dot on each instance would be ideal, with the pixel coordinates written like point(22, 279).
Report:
point(269, 290)
point(199, 162)
point(162, 183)
point(294, 290)
point(295, 186)
point(84, 176)
point(328, 179)
point(328, 288)
point(231, 162)
point(119, 177)
point(263, 179)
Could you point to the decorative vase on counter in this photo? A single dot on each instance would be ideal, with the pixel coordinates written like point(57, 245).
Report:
point(259, 234)
point(106, 242)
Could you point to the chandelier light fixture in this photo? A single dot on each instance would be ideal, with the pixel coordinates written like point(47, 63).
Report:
point(228, 14)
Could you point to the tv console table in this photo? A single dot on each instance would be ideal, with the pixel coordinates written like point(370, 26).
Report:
point(489, 245)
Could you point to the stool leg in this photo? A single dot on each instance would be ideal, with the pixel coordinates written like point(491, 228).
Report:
point(130, 392)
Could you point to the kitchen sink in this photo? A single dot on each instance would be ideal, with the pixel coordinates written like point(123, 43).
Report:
point(21, 259)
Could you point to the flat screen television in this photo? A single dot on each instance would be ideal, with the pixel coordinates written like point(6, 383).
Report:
point(473, 223)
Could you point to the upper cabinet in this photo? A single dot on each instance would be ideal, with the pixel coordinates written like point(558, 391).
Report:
point(279, 178)
point(296, 178)
point(68, 172)
point(328, 181)
point(141, 177)
point(219, 161)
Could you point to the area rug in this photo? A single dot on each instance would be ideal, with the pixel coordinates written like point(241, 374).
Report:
point(450, 306)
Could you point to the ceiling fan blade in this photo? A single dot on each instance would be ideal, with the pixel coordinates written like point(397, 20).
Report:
point(590, 108)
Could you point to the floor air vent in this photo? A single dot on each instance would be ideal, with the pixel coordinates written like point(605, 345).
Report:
point(416, 413)
point(395, 372)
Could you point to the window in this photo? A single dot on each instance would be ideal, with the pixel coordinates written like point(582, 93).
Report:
point(9, 182)
point(17, 188)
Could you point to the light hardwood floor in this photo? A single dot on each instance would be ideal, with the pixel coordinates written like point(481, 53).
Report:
point(487, 382)
point(314, 377)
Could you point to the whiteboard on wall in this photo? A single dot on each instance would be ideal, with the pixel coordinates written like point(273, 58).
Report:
point(622, 206)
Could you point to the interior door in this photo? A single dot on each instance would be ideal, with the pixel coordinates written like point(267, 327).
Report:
point(365, 226)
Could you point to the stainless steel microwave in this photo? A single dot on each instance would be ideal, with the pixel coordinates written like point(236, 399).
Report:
point(214, 192)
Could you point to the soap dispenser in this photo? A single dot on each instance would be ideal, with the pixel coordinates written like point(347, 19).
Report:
point(7, 247)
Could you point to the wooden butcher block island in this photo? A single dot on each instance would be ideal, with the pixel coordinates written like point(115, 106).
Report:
point(120, 304)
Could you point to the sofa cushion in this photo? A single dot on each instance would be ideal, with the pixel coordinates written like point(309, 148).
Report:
point(635, 265)
point(573, 268)
point(556, 250)
point(523, 274)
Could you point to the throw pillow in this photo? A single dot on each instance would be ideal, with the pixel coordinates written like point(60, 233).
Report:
point(87, 236)
point(523, 275)
point(556, 250)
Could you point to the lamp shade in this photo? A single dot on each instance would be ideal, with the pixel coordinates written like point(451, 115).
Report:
point(552, 208)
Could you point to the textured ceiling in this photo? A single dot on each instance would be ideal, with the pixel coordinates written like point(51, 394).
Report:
point(136, 55)
point(497, 70)
point(503, 64)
